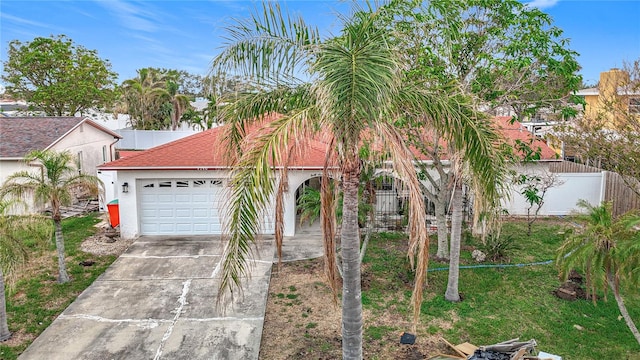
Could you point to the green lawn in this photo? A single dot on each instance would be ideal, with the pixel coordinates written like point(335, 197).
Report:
point(37, 299)
point(501, 304)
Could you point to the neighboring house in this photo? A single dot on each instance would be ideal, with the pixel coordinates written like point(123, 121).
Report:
point(11, 108)
point(614, 95)
point(90, 143)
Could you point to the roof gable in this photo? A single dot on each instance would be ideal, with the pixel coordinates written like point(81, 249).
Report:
point(20, 135)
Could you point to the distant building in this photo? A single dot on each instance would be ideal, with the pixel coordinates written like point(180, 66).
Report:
point(615, 98)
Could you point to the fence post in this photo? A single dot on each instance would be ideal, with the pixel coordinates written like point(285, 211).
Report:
point(603, 187)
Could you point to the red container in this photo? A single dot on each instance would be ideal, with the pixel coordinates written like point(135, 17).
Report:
point(114, 213)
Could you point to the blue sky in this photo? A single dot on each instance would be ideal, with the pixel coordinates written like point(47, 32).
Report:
point(187, 34)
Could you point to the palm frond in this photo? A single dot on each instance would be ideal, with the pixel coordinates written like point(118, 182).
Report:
point(328, 204)
point(404, 167)
point(252, 189)
point(270, 44)
point(359, 79)
point(248, 109)
point(13, 229)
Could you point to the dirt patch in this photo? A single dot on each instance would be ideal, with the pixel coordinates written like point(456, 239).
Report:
point(303, 322)
point(105, 242)
point(18, 338)
point(572, 289)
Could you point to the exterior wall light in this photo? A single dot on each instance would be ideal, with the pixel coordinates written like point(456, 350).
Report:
point(125, 187)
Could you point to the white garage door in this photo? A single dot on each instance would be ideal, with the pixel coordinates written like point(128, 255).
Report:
point(181, 206)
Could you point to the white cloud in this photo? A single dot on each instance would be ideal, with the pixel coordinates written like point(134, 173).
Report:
point(542, 4)
point(20, 20)
point(131, 16)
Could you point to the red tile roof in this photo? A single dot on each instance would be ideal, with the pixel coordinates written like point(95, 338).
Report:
point(207, 151)
point(204, 151)
point(516, 131)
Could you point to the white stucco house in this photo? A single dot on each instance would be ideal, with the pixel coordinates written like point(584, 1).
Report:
point(181, 188)
point(91, 143)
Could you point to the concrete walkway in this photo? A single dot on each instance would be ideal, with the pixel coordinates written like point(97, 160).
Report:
point(157, 301)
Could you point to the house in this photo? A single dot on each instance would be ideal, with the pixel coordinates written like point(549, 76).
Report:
point(181, 187)
point(615, 98)
point(90, 143)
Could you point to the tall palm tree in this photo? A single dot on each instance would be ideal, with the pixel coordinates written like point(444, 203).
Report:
point(140, 97)
point(354, 88)
point(179, 102)
point(13, 251)
point(53, 185)
point(606, 250)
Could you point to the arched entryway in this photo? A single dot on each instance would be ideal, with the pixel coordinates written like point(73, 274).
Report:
point(307, 205)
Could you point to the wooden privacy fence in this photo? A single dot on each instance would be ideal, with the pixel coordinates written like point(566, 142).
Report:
point(571, 167)
point(621, 196)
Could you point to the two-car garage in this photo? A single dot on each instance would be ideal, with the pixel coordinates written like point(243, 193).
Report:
point(181, 206)
point(182, 188)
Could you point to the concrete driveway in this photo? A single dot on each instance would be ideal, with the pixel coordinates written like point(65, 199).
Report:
point(157, 301)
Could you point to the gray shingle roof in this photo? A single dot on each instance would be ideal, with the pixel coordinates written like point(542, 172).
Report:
point(20, 135)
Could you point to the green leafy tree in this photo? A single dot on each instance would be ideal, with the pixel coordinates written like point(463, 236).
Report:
point(534, 188)
point(357, 91)
point(58, 76)
point(140, 97)
point(14, 250)
point(606, 250)
point(54, 186)
point(507, 56)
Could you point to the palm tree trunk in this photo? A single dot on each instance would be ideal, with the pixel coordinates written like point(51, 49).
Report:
point(452, 293)
point(351, 287)
point(441, 221)
point(4, 327)
point(63, 277)
point(623, 309)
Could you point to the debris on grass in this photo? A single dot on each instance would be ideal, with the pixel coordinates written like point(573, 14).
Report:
point(407, 338)
point(507, 350)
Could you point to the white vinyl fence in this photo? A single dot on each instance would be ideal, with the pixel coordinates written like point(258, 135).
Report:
point(146, 139)
point(561, 199)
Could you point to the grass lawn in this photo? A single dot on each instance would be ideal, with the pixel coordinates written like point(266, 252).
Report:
point(37, 299)
point(498, 304)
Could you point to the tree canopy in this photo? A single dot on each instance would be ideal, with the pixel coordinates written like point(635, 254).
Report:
point(58, 76)
point(509, 55)
point(152, 99)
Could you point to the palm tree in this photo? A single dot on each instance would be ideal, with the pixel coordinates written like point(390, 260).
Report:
point(356, 90)
point(13, 251)
point(52, 185)
point(179, 102)
point(141, 95)
point(606, 250)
